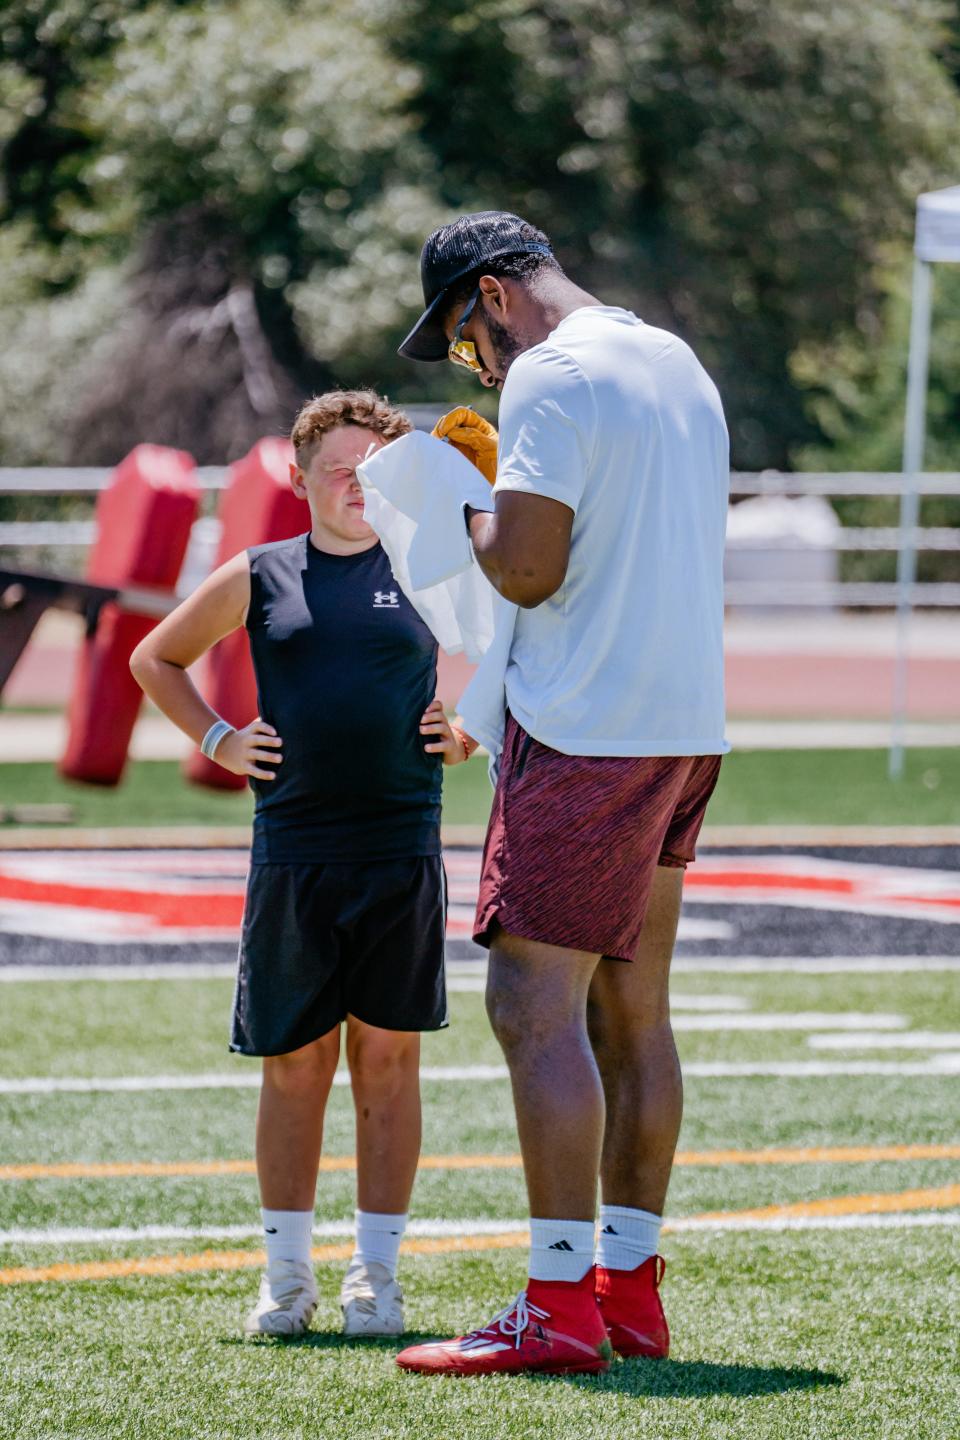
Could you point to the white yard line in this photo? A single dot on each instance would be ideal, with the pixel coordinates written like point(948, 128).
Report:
point(792, 1020)
point(463, 977)
point(904, 1220)
point(182, 970)
point(476, 970)
point(440, 1229)
point(820, 1069)
point(692, 927)
point(875, 1040)
point(245, 1079)
point(248, 1079)
point(813, 964)
point(477, 984)
point(177, 970)
point(323, 1229)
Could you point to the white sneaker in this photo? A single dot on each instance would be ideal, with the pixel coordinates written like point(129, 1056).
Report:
point(371, 1300)
point(287, 1301)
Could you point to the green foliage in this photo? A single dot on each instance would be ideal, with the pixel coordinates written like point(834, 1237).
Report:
point(733, 171)
point(725, 169)
point(51, 350)
point(856, 385)
point(52, 50)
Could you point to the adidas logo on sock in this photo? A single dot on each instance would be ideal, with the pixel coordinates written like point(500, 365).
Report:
point(561, 1245)
point(609, 1230)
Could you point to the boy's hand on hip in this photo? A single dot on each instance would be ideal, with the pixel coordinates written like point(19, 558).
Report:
point(246, 751)
point(443, 742)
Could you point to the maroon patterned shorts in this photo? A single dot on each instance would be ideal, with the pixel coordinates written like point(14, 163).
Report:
point(574, 841)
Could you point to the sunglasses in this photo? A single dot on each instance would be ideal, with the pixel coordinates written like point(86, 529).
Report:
point(460, 351)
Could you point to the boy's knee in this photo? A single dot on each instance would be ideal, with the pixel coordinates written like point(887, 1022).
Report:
point(303, 1072)
point(383, 1060)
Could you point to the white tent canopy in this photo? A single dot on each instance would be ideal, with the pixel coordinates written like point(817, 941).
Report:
point(938, 225)
point(937, 239)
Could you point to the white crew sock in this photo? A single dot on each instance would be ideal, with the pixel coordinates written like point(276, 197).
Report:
point(561, 1249)
point(288, 1234)
point(627, 1237)
point(378, 1238)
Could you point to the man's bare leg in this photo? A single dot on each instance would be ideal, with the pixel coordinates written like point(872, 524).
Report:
point(633, 1042)
point(537, 1001)
point(629, 1010)
point(385, 1075)
point(293, 1100)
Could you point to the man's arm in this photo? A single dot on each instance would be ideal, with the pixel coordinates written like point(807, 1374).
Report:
point(523, 547)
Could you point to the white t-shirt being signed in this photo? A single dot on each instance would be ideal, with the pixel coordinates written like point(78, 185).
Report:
point(621, 423)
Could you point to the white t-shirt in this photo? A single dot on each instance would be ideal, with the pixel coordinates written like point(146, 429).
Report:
point(620, 422)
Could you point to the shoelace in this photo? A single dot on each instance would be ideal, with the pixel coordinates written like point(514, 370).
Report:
point(513, 1321)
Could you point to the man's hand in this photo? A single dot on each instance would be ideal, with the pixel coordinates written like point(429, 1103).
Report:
point(474, 437)
point(447, 742)
point(244, 752)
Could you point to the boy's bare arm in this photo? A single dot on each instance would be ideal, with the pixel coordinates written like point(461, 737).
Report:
point(160, 662)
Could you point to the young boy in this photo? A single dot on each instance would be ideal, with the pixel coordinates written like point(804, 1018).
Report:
point(345, 909)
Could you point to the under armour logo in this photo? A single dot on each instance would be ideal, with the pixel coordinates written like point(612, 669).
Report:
point(561, 1245)
point(385, 600)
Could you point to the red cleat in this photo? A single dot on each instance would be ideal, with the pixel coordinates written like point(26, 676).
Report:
point(551, 1327)
point(630, 1304)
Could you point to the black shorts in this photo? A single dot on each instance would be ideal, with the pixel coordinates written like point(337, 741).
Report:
point(323, 941)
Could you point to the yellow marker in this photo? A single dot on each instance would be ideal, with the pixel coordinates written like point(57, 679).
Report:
point(816, 1155)
point(943, 1197)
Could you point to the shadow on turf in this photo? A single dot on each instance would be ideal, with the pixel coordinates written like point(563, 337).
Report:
point(666, 1378)
point(330, 1340)
point(683, 1378)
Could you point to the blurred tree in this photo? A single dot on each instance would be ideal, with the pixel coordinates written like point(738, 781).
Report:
point(856, 385)
point(49, 50)
point(730, 170)
point(250, 182)
point(252, 160)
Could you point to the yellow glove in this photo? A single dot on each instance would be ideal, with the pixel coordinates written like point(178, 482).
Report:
point(474, 437)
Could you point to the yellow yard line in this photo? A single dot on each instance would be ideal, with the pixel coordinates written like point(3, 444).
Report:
point(819, 1155)
point(816, 1155)
point(944, 1197)
point(125, 1169)
point(237, 1260)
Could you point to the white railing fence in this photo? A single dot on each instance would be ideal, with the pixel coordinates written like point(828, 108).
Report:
point(780, 590)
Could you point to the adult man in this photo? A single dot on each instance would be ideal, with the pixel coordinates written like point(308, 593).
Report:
point(611, 498)
point(345, 908)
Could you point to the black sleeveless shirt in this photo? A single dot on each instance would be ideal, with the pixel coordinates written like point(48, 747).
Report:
point(345, 668)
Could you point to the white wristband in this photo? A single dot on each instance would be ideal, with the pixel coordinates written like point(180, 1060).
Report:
point(214, 735)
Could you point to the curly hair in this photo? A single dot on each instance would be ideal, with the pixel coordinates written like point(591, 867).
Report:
point(345, 407)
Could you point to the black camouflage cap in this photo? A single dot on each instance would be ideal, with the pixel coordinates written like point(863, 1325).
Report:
point(452, 252)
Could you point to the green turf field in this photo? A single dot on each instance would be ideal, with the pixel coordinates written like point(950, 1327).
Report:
point(757, 787)
point(788, 1334)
